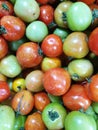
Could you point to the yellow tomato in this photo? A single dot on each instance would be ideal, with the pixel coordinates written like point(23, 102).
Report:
point(18, 84)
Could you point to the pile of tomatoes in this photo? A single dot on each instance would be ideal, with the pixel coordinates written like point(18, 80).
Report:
point(49, 64)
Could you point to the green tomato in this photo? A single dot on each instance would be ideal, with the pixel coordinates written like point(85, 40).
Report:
point(7, 118)
point(19, 122)
point(80, 69)
point(54, 115)
point(9, 66)
point(36, 31)
point(79, 16)
point(27, 10)
point(12, 1)
point(76, 120)
point(95, 106)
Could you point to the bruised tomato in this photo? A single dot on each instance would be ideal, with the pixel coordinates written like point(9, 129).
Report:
point(56, 81)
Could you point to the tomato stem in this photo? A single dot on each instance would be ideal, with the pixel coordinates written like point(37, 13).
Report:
point(5, 7)
point(53, 115)
point(40, 52)
point(64, 17)
point(2, 30)
point(94, 14)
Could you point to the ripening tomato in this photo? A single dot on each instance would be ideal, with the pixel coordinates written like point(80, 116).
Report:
point(4, 90)
point(23, 102)
point(3, 47)
point(6, 8)
point(12, 28)
point(42, 1)
point(87, 1)
point(29, 54)
point(46, 14)
point(34, 122)
point(41, 100)
point(93, 41)
point(56, 81)
point(52, 45)
point(76, 98)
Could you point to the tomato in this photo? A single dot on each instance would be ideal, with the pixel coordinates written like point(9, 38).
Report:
point(29, 10)
point(9, 66)
point(56, 81)
point(42, 1)
point(23, 102)
point(76, 45)
point(3, 47)
point(46, 14)
point(3, 77)
point(18, 84)
point(52, 45)
point(79, 16)
point(12, 28)
point(60, 13)
point(36, 31)
point(76, 98)
point(7, 117)
point(33, 81)
point(92, 42)
point(75, 119)
point(80, 69)
point(87, 1)
point(4, 91)
point(29, 54)
point(41, 100)
point(34, 121)
point(6, 8)
point(95, 106)
point(54, 115)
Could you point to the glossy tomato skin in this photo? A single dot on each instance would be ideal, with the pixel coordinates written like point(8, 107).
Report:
point(23, 102)
point(46, 14)
point(41, 100)
point(92, 42)
point(76, 98)
point(13, 28)
point(34, 122)
point(3, 47)
point(30, 58)
point(56, 81)
point(6, 8)
point(4, 91)
point(52, 45)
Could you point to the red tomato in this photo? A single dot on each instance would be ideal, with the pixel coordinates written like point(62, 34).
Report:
point(29, 54)
point(42, 1)
point(76, 98)
point(56, 81)
point(46, 14)
point(34, 122)
point(6, 8)
point(93, 41)
point(3, 47)
point(4, 91)
point(52, 45)
point(23, 102)
point(41, 100)
point(12, 28)
point(87, 1)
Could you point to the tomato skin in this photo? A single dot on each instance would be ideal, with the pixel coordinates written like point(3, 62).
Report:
point(3, 47)
point(34, 122)
point(46, 14)
point(42, 1)
point(56, 81)
point(29, 58)
point(41, 100)
point(92, 42)
point(87, 1)
point(76, 98)
point(52, 45)
point(6, 8)
point(13, 28)
point(21, 104)
point(4, 91)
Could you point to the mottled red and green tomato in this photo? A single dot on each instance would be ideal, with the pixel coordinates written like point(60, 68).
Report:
point(33, 81)
point(80, 69)
point(29, 55)
point(36, 31)
point(76, 45)
point(56, 81)
point(28, 11)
